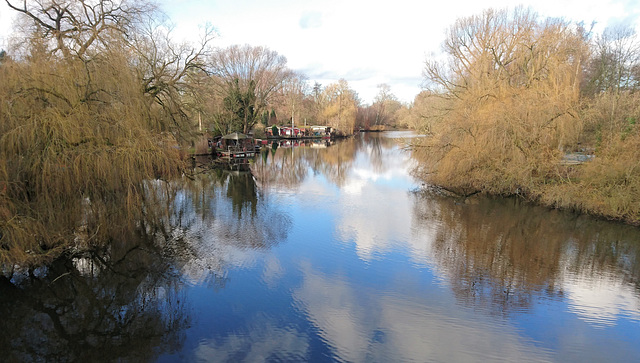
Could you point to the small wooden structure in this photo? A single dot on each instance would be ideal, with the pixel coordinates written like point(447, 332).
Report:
point(236, 148)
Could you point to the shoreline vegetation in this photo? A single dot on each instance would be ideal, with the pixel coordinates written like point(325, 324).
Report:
point(517, 96)
point(98, 104)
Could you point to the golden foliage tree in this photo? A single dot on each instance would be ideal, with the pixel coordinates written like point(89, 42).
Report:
point(340, 106)
point(510, 91)
point(427, 109)
point(81, 130)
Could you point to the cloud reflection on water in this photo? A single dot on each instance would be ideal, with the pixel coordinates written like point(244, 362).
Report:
point(362, 325)
point(499, 257)
point(374, 213)
point(601, 300)
point(499, 265)
point(220, 222)
point(263, 341)
point(496, 266)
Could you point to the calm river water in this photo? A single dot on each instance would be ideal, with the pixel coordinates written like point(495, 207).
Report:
point(330, 253)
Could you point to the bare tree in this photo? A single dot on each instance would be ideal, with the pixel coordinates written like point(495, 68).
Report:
point(171, 73)
point(615, 62)
point(74, 27)
point(382, 104)
point(292, 95)
point(247, 65)
point(317, 96)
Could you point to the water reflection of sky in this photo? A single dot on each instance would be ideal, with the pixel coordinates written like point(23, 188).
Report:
point(364, 271)
point(602, 300)
point(372, 212)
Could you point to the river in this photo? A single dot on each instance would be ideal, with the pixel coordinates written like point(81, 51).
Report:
point(334, 252)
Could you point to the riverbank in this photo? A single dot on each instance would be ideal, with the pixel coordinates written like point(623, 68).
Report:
point(601, 187)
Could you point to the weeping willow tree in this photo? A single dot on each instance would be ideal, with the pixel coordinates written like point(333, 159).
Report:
point(341, 106)
point(509, 104)
point(81, 131)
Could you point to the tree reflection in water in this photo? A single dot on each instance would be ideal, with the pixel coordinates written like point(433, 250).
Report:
point(375, 143)
point(126, 301)
point(498, 254)
point(104, 305)
point(163, 268)
point(221, 215)
point(287, 167)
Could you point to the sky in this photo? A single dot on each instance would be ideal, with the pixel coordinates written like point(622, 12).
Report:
point(366, 42)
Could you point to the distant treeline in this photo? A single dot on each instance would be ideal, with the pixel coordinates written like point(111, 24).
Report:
point(519, 97)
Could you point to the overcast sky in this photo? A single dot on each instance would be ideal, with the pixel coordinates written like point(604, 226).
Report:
point(366, 42)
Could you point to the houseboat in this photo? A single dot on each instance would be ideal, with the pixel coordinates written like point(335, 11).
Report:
point(235, 147)
point(306, 132)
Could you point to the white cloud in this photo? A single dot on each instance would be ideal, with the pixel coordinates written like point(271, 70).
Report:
point(311, 19)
